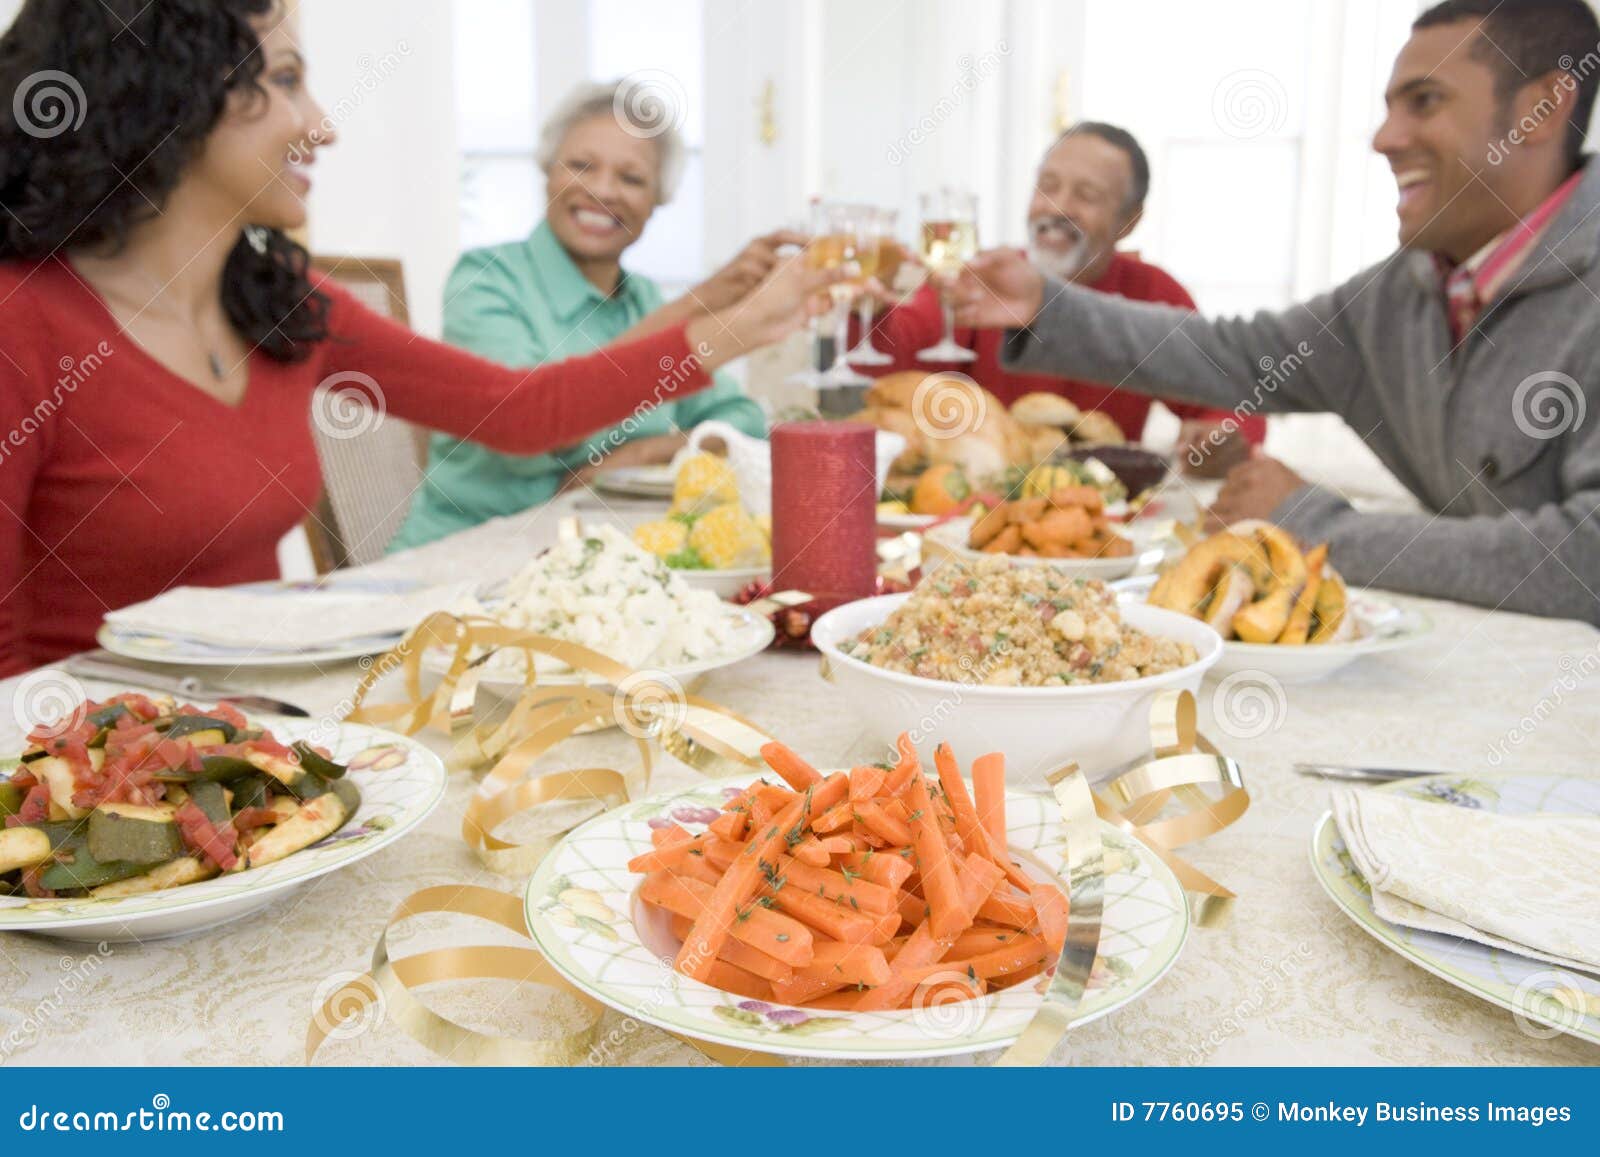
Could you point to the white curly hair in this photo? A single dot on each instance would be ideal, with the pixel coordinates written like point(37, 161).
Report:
point(646, 105)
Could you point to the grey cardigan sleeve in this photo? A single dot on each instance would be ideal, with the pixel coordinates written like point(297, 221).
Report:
point(1302, 358)
point(1540, 562)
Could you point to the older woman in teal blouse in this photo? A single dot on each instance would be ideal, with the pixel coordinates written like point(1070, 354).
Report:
point(563, 292)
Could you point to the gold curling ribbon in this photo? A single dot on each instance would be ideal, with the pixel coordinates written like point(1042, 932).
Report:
point(1184, 762)
point(709, 738)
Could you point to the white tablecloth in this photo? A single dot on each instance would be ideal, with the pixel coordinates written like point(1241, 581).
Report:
point(1290, 981)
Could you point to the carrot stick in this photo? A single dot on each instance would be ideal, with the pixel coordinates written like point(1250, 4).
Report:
point(1005, 959)
point(945, 991)
point(755, 962)
point(666, 856)
point(825, 916)
point(1006, 906)
point(810, 851)
point(731, 825)
point(834, 818)
point(922, 949)
point(770, 932)
point(786, 763)
point(882, 824)
point(1051, 907)
point(976, 941)
point(743, 877)
point(866, 782)
point(844, 888)
point(989, 785)
point(905, 768)
point(806, 990)
point(966, 816)
point(949, 915)
point(888, 870)
point(666, 837)
point(847, 964)
point(731, 978)
point(842, 846)
point(979, 877)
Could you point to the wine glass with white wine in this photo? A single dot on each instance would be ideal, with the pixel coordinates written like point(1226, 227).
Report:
point(881, 257)
point(949, 240)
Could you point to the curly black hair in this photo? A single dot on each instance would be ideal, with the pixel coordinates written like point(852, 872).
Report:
point(106, 104)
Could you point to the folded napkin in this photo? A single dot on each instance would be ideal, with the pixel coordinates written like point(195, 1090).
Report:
point(1527, 884)
point(288, 616)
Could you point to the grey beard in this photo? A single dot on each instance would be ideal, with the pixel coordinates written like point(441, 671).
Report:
point(1061, 266)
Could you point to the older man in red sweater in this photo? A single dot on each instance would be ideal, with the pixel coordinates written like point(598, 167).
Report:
point(1089, 194)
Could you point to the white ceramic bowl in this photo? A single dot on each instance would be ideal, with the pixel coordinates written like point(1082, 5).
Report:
point(725, 584)
point(1103, 726)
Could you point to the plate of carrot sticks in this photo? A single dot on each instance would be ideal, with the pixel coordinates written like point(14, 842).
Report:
point(878, 913)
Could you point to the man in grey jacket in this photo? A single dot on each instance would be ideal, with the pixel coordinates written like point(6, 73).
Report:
point(1469, 360)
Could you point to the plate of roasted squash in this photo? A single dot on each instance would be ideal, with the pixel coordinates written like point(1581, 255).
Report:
point(138, 817)
point(1069, 529)
point(1281, 607)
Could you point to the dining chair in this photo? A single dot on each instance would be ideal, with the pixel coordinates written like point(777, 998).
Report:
point(368, 477)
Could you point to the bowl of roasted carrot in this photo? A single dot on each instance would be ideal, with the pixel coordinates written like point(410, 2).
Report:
point(879, 912)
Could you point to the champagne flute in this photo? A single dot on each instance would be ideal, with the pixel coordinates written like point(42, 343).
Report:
point(836, 244)
point(949, 240)
point(881, 256)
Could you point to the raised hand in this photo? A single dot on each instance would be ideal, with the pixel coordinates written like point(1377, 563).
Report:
point(747, 269)
point(997, 289)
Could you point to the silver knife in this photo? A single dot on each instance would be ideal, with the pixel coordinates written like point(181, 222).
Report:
point(1364, 774)
point(100, 665)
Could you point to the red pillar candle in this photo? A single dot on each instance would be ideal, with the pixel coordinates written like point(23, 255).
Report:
point(824, 510)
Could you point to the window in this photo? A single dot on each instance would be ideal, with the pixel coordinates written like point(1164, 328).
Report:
point(501, 59)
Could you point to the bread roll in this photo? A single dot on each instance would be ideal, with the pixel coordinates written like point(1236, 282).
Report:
point(1044, 409)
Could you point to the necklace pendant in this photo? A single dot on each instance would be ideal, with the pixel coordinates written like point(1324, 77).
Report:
point(216, 366)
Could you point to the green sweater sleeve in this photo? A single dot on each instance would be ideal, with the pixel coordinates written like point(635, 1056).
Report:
point(483, 312)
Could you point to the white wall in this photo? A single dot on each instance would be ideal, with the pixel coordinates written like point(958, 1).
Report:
point(389, 188)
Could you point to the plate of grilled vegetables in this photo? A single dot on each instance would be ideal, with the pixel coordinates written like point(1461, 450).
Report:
point(138, 816)
point(1281, 607)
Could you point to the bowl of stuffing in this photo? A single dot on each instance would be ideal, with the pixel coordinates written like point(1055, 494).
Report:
point(992, 655)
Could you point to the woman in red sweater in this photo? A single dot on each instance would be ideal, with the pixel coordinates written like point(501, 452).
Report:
point(161, 338)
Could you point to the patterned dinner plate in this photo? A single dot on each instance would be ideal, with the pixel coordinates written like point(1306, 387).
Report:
point(584, 914)
point(1544, 998)
point(400, 780)
point(1381, 624)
